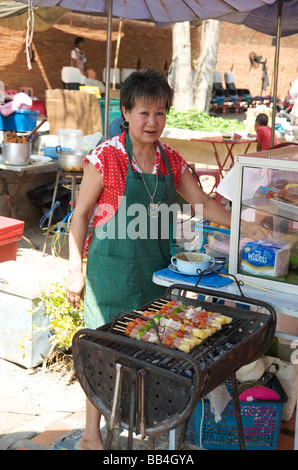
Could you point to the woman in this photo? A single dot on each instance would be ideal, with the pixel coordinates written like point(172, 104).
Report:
point(131, 170)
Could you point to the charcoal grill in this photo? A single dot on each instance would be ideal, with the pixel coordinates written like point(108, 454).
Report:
point(150, 389)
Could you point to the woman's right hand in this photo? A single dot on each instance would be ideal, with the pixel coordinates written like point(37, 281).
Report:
point(74, 288)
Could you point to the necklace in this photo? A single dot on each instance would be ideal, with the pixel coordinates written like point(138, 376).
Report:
point(135, 153)
point(153, 208)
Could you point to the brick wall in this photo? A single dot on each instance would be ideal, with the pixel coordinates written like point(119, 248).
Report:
point(141, 42)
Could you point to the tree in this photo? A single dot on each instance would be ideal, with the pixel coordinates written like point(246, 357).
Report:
point(206, 65)
point(194, 92)
point(180, 70)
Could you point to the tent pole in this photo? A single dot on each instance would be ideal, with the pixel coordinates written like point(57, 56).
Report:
point(117, 53)
point(108, 68)
point(276, 64)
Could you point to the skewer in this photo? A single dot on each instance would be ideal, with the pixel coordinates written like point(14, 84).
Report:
point(119, 329)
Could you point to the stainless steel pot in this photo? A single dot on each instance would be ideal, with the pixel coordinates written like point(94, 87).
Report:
point(70, 160)
point(16, 154)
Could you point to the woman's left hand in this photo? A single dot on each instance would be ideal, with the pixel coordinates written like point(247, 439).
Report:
point(74, 288)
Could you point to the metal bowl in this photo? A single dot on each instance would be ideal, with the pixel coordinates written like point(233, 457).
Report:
point(70, 160)
point(16, 154)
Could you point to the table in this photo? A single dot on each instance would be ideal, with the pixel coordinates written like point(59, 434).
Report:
point(286, 305)
point(229, 144)
point(21, 172)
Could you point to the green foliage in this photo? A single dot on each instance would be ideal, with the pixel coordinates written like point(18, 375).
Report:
point(198, 121)
point(64, 320)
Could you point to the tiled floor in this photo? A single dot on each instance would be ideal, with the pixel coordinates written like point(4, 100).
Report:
point(69, 427)
point(287, 434)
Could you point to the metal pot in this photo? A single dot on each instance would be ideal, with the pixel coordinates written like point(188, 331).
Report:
point(16, 154)
point(70, 160)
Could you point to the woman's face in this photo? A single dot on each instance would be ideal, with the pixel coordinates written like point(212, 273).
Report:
point(146, 120)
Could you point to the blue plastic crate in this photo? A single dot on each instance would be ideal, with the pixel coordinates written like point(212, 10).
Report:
point(261, 422)
point(205, 230)
point(22, 120)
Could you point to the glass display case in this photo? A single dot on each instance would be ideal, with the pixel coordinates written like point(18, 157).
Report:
point(265, 196)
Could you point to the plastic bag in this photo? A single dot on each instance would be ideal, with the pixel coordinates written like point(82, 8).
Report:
point(89, 142)
point(219, 398)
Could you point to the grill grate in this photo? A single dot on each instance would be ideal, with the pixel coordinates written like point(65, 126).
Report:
point(172, 381)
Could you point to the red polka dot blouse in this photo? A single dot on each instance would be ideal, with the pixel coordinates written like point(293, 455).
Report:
point(111, 160)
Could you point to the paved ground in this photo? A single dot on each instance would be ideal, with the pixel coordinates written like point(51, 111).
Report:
point(32, 400)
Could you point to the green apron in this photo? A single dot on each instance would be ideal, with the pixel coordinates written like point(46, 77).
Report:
point(119, 268)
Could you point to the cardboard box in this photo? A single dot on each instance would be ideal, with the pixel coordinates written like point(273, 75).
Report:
point(252, 114)
point(73, 109)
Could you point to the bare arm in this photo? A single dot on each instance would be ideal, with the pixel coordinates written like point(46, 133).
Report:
point(191, 191)
point(194, 195)
point(91, 188)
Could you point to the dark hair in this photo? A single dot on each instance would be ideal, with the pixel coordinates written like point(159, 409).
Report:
point(78, 40)
point(262, 119)
point(145, 84)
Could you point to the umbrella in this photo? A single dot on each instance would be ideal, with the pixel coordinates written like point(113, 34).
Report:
point(264, 18)
point(160, 11)
point(164, 12)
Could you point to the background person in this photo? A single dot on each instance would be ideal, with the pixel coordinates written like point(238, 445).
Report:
point(77, 56)
point(93, 81)
point(263, 133)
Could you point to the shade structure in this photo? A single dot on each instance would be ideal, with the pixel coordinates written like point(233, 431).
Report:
point(274, 17)
point(264, 18)
point(14, 15)
point(160, 11)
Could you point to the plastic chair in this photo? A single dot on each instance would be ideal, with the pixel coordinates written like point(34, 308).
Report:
point(266, 101)
point(117, 81)
point(27, 90)
point(125, 72)
point(255, 102)
point(71, 78)
point(226, 105)
point(240, 105)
